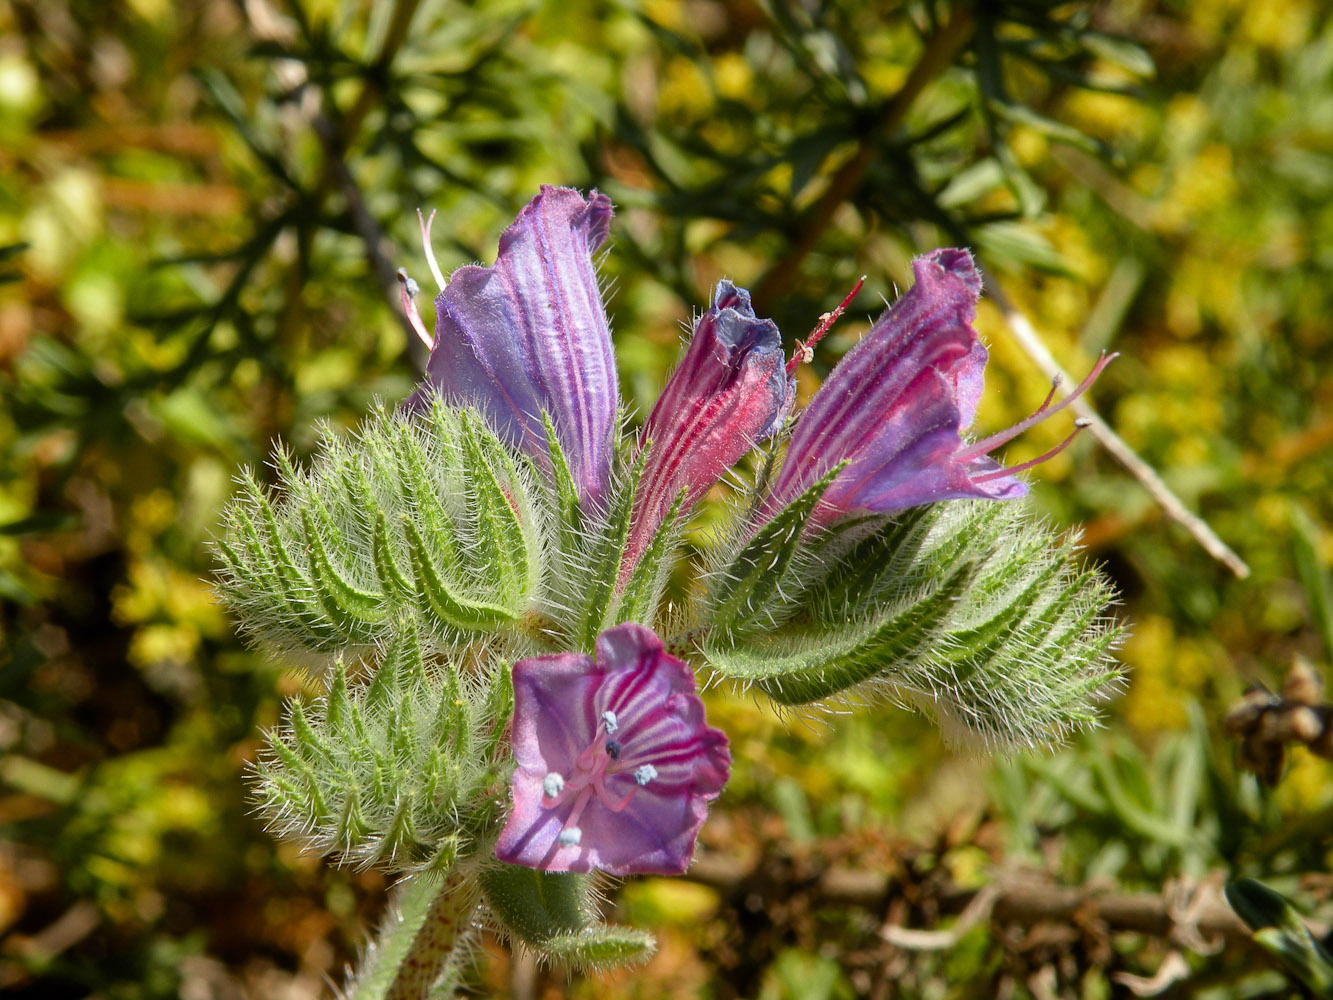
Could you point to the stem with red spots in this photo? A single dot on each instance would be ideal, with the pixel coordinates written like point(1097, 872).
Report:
point(442, 943)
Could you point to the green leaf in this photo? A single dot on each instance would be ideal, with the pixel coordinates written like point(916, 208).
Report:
point(1313, 575)
point(826, 663)
point(568, 512)
point(392, 578)
point(1021, 114)
point(452, 610)
point(340, 596)
point(554, 913)
point(600, 947)
point(742, 595)
point(1120, 51)
point(502, 549)
point(598, 582)
point(638, 602)
point(1280, 931)
point(965, 609)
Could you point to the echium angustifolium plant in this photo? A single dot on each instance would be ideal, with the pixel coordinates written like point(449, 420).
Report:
point(511, 709)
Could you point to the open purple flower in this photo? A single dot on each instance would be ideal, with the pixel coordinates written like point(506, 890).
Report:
point(530, 335)
point(728, 393)
point(616, 766)
point(895, 407)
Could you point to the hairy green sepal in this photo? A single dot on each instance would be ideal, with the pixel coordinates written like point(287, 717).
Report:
point(969, 610)
point(428, 513)
point(393, 773)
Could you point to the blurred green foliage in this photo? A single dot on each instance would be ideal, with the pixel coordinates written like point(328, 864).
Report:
point(201, 204)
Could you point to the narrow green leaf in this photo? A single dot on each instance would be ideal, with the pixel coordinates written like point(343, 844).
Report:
point(352, 826)
point(309, 742)
point(1312, 573)
point(1021, 114)
point(237, 566)
point(501, 543)
point(400, 837)
point(407, 644)
point(568, 511)
point(392, 578)
point(598, 948)
point(603, 570)
point(902, 637)
point(499, 708)
point(1120, 51)
point(883, 560)
point(638, 602)
point(964, 648)
point(454, 721)
point(741, 594)
point(1281, 932)
point(421, 496)
point(385, 687)
point(332, 586)
point(338, 714)
point(449, 608)
point(256, 553)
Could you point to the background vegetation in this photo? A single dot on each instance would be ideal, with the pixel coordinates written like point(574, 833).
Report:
point(201, 206)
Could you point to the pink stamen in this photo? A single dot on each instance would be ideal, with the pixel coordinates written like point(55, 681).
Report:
point(407, 289)
point(986, 445)
point(589, 779)
point(804, 351)
point(430, 251)
point(615, 805)
point(576, 813)
point(986, 477)
point(1055, 384)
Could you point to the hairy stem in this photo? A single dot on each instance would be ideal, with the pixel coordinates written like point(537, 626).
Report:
point(422, 942)
point(442, 942)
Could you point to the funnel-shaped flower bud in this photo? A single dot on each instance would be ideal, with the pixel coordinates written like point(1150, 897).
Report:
point(616, 766)
point(530, 335)
point(895, 407)
point(728, 393)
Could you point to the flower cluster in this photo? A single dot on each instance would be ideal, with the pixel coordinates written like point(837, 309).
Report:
point(615, 765)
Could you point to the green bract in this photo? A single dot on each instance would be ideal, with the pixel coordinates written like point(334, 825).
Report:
point(970, 610)
point(430, 514)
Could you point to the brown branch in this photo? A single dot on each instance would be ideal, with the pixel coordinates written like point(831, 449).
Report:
point(1015, 900)
point(939, 55)
point(1028, 339)
point(335, 137)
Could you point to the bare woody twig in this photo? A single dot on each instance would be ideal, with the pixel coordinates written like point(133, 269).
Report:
point(938, 56)
point(1008, 901)
point(335, 136)
point(1031, 343)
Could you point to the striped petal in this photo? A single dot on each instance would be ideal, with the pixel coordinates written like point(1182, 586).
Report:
point(530, 335)
point(728, 393)
point(896, 405)
point(616, 765)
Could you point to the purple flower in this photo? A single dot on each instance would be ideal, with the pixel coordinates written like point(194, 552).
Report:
point(530, 335)
point(728, 393)
point(896, 405)
point(615, 764)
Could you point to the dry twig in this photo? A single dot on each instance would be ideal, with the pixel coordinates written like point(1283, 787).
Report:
point(1028, 339)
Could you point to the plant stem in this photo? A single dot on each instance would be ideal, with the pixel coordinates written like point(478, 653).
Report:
point(441, 943)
